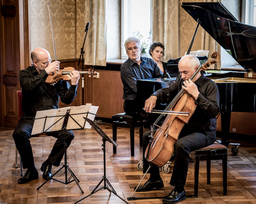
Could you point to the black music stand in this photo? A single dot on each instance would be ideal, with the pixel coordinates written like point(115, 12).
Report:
point(64, 127)
point(104, 177)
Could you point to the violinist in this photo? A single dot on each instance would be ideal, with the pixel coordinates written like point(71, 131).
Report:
point(39, 95)
point(197, 133)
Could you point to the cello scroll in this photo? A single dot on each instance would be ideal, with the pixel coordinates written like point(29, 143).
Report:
point(216, 58)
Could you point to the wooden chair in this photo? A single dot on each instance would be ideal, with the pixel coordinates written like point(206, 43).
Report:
point(124, 120)
point(20, 112)
point(208, 153)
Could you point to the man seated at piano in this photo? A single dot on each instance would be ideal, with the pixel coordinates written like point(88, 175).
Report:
point(134, 68)
point(197, 133)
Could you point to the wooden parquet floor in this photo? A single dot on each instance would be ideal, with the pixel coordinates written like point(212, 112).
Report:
point(85, 158)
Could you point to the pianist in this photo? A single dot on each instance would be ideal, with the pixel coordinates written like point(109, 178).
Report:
point(198, 132)
point(135, 67)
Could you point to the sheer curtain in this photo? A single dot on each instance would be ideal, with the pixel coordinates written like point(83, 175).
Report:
point(69, 19)
point(166, 26)
point(95, 46)
point(174, 27)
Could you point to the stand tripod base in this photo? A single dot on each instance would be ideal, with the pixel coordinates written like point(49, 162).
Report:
point(67, 180)
point(95, 190)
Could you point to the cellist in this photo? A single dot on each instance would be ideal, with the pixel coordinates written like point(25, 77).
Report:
point(197, 133)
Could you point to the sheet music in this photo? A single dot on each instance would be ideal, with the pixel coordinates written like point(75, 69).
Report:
point(42, 123)
point(93, 110)
point(199, 53)
point(52, 119)
point(78, 113)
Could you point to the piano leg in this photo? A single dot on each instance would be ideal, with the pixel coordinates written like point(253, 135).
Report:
point(225, 125)
point(225, 134)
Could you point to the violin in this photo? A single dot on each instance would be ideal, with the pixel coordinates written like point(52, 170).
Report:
point(64, 74)
point(161, 148)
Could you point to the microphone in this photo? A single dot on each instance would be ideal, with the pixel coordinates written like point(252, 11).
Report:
point(87, 26)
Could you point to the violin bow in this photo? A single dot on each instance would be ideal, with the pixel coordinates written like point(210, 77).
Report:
point(170, 112)
point(48, 4)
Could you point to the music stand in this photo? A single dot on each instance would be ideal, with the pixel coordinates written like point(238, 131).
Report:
point(64, 126)
point(104, 177)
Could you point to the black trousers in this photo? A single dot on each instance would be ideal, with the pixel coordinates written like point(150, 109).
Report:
point(22, 134)
point(188, 141)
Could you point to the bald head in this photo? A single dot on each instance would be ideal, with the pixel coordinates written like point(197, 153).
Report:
point(40, 58)
point(188, 65)
point(192, 60)
point(39, 52)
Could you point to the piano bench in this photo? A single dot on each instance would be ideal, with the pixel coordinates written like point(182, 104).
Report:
point(124, 120)
point(208, 153)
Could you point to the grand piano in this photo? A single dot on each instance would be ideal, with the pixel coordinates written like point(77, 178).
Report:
point(237, 94)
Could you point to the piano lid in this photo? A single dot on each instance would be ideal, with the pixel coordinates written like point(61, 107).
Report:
point(236, 37)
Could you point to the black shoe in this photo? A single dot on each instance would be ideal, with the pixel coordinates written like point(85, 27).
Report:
point(150, 185)
point(175, 197)
point(46, 168)
point(29, 176)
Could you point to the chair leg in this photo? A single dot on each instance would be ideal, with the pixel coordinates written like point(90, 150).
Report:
point(16, 158)
point(224, 169)
point(114, 125)
point(132, 139)
point(196, 176)
point(16, 162)
point(21, 165)
point(141, 134)
point(208, 170)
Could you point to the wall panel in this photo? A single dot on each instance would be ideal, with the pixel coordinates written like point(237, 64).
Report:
point(10, 61)
point(105, 92)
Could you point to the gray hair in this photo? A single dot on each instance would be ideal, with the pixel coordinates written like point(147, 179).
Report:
point(193, 60)
point(33, 56)
point(130, 40)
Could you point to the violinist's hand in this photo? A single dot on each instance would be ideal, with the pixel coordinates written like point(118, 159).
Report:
point(191, 88)
point(150, 103)
point(52, 67)
point(75, 76)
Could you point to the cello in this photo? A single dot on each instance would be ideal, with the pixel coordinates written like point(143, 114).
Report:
point(161, 148)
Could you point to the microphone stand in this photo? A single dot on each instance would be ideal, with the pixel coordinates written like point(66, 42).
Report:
point(81, 59)
point(190, 46)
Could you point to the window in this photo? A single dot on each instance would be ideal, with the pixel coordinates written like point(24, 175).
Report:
point(136, 21)
point(249, 12)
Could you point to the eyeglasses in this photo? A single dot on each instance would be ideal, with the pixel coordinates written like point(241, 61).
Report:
point(131, 48)
point(46, 63)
